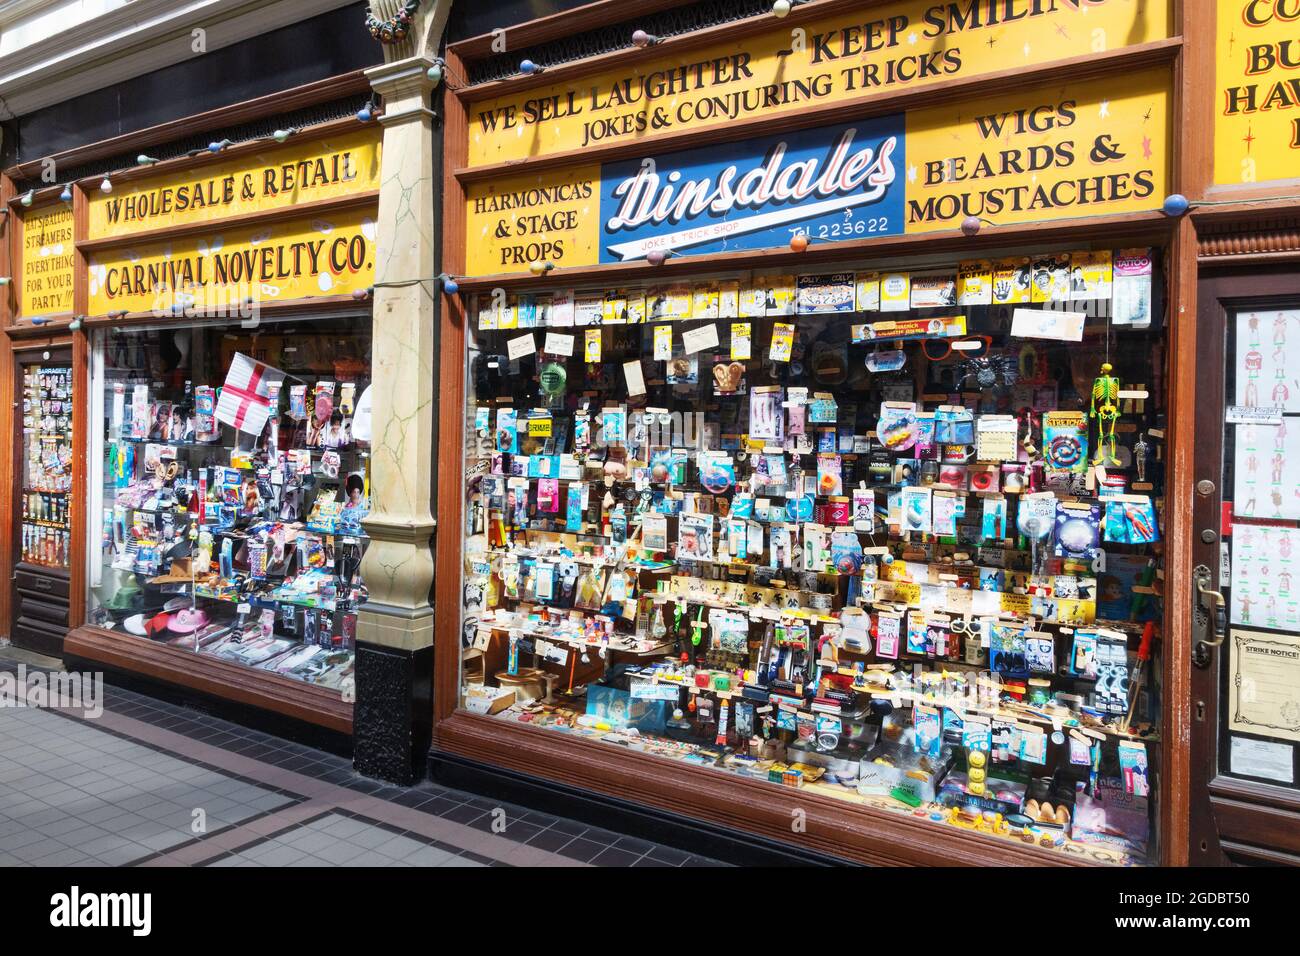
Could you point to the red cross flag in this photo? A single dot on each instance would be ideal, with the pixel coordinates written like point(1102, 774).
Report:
point(245, 401)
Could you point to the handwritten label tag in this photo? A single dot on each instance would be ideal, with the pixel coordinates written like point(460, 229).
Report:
point(524, 345)
point(1047, 324)
point(557, 343)
point(697, 340)
point(1253, 415)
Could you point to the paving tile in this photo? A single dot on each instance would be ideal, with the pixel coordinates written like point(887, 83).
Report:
point(427, 856)
point(615, 857)
point(551, 840)
point(669, 855)
point(122, 790)
point(581, 849)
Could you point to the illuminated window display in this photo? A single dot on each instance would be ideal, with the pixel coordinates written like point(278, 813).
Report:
point(47, 465)
point(891, 534)
point(230, 473)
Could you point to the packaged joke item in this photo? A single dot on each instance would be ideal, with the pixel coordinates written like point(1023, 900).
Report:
point(766, 416)
point(830, 479)
point(507, 431)
point(1130, 519)
point(1078, 530)
point(1065, 441)
point(867, 291)
point(818, 294)
point(897, 426)
point(888, 632)
point(780, 294)
point(1131, 287)
point(975, 283)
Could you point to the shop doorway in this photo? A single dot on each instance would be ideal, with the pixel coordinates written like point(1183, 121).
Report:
point(1245, 734)
point(41, 496)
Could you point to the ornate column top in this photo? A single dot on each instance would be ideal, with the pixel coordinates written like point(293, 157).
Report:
point(424, 26)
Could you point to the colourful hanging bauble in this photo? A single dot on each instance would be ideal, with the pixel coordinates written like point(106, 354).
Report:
point(396, 27)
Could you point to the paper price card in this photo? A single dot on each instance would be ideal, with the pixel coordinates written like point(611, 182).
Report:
point(905, 592)
point(634, 376)
point(740, 341)
point(522, 346)
point(1047, 324)
point(1018, 604)
point(697, 340)
point(591, 350)
point(782, 341)
point(557, 343)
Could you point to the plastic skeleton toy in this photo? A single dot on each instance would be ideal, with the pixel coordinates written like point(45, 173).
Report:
point(1140, 451)
point(1105, 408)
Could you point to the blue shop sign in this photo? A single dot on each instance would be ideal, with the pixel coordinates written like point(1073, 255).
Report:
point(836, 182)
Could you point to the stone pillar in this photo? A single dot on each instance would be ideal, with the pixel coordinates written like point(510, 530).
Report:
point(393, 710)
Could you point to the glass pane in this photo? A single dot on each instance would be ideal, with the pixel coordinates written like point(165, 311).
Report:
point(842, 532)
point(1260, 671)
point(47, 464)
point(231, 474)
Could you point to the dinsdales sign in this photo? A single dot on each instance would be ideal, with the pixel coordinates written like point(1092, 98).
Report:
point(755, 194)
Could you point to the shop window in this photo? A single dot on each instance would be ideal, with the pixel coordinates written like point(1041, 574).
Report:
point(47, 465)
point(891, 535)
point(229, 476)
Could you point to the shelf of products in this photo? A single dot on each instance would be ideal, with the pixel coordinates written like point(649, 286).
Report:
point(891, 536)
point(47, 469)
point(234, 478)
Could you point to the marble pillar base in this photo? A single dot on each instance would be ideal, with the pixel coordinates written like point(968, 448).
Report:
point(393, 713)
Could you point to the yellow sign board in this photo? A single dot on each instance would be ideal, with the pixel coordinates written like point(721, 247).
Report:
point(1070, 150)
point(281, 262)
point(47, 261)
point(833, 59)
point(1080, 149)
point(538, 217)
point(1257, 113)
point(280, 176)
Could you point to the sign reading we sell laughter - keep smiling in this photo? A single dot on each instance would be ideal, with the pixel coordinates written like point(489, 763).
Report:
point(832, 59)
point(1072, 150)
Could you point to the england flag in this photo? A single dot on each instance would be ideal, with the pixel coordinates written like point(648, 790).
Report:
point(245, 401)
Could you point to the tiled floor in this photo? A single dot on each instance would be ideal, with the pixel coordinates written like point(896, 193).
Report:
point(149, 784)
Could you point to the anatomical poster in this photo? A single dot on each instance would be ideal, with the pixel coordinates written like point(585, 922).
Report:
point(1266, 469)
point(1266, 577)
point(1268, 359)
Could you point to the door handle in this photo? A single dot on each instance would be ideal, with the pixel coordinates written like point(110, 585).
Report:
point(1211, 616)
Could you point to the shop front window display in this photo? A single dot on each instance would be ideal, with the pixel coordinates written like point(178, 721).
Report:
point(47, 467)
point(232, 477)
point(891, 536)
